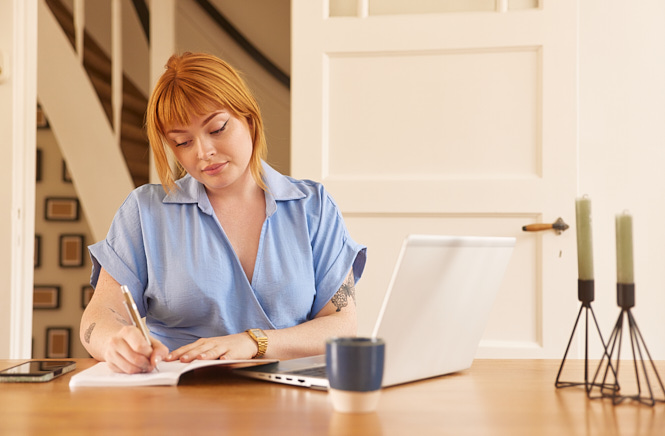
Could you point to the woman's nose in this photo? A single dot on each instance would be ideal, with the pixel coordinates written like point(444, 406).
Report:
point(205, 150)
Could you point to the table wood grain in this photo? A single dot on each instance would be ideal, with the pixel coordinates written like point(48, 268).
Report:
point(493, 397)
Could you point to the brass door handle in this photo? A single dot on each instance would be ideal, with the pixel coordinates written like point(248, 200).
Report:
point(559, 226)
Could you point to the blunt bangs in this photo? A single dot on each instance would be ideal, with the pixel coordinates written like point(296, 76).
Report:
point(176, 105)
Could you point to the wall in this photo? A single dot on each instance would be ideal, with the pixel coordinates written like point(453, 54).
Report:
point(622, 149)
point(266, 23)
point(71, 280)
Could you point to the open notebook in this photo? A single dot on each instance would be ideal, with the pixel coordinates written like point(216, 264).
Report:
point(168, 375)
point(433, 315)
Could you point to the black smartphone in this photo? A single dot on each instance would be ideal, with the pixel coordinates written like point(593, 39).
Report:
point(36, 371)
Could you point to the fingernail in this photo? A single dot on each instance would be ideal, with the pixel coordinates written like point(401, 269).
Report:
point(169, 357)
point(158, 359)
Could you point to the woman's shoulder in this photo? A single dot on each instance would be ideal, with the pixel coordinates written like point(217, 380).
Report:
point(142, 197)
point(148, 192)
point(285, 187)
point(312, 196)
point(307, 186)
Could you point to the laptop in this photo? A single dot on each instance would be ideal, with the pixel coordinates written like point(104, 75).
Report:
point(433, 315)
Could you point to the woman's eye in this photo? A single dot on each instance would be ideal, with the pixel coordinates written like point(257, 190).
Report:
point(221, 129)
point(179, 144)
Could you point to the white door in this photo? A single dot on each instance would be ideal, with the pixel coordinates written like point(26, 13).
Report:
point(447, 121)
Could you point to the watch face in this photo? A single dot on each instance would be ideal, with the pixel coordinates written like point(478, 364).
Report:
point(257, 333)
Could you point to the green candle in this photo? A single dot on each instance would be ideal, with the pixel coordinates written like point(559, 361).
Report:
point(584, 238)
point(624, 239)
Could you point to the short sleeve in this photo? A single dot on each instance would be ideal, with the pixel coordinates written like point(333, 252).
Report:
point(122, 253)
point(335, 253)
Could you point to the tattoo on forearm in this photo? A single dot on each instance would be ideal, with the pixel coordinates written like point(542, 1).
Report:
point(119, 317)
point(88, 332)
point(348, 289)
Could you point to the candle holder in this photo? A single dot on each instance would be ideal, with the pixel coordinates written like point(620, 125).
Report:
point(586, 294)
point(626, 300)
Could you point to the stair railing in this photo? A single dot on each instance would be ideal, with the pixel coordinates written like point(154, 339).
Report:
point(116, 56)
point(116, 67)
point(67, 98)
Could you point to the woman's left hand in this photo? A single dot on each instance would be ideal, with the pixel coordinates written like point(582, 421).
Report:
point(232, 347)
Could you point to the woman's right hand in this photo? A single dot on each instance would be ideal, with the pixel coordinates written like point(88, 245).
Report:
point(107, 332)
point(128, 352)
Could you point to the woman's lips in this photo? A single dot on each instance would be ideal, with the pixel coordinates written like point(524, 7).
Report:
point(213, 169)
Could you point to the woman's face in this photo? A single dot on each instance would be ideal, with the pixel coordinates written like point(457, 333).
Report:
point(215, 149)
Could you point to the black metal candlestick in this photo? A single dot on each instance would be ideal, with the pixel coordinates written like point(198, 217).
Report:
point(586, 294)
point(626, 300)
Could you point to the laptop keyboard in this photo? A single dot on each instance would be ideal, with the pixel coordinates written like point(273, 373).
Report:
point(315, 371)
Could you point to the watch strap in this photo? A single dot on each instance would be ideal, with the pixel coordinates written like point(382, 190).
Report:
point(261, 340)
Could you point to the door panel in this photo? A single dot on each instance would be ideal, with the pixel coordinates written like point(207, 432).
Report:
point(458, 123)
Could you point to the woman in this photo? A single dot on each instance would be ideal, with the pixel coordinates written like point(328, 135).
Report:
point(227, 259)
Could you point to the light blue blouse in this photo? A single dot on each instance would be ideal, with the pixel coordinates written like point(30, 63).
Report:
point(173, 254)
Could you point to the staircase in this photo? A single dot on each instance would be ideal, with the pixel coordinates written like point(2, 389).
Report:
point(133, 141)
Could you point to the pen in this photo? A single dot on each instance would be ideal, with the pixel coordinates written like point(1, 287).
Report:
point(134, 313)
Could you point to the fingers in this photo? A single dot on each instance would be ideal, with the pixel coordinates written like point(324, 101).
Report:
point(238, 346)
point(203, 349)
point(129, 352)
point(122, 358)
point(159, 352)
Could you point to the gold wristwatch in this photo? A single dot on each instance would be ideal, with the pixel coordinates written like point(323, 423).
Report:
point(261, 340)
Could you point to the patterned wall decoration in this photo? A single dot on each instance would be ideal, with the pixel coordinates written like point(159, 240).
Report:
point(62, 264)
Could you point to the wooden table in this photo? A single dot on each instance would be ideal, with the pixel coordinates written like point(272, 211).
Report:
point(494, 397)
